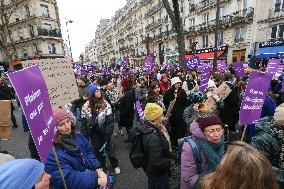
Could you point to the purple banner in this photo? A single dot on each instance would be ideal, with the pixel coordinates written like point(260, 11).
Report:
point(139, 110)
point(205, 75)
point(221, 66)
point(238, 68)
point(36, 106)
point(254, 96)
point(272, 66)
point(148, 65)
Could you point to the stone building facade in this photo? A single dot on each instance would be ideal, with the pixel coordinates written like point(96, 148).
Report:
point(142, 27)
point(33, 30)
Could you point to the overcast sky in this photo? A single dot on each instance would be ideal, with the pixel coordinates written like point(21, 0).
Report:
point(86, 15)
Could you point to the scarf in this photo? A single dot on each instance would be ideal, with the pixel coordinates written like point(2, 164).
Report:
point(213, 153)
point(166, 134)
point(68, 143)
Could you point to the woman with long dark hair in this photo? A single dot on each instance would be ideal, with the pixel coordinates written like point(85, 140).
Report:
point(154, 95)
point(100, 124)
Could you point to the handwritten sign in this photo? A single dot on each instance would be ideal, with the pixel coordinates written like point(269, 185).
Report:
point(205, 75)
point(254, 96)
point(223, 91)
point(238, 68)
point(139, 110)
point(36, 106)
point(272, 66)
point(59, 78)
point(221, 66)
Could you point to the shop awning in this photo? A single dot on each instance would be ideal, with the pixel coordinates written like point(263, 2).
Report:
point(270, 52)
point(205, 55)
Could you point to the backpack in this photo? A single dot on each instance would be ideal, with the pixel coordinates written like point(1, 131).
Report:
point(137, 155)
point(195, 149)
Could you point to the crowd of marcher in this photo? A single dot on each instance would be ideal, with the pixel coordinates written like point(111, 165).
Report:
point(178, 126)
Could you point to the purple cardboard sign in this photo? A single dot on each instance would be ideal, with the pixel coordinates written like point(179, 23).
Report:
point(238, 68)
point(139, 110)
point(205, 75)
point(148, 65)
point(36, 106)
point(272, 66)
point(254, 96)
point(221, 66)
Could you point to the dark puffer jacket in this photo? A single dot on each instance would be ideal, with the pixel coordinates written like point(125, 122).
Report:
point(126, 108)
point(157, 151)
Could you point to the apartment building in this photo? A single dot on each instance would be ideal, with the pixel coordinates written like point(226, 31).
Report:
point(32, 31)
point(143, 28)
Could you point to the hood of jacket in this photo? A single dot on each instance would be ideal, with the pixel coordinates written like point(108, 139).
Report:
point(196, 131)
point(264, 124)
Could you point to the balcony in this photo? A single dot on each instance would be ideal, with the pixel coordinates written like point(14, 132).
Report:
point(50, 33)
point(153, 9)
point(231, 20)
point(205, 5)
point(239, 40)
point(276, 14)
point(154, 24)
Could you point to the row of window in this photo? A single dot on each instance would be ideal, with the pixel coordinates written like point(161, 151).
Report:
point(44, 12)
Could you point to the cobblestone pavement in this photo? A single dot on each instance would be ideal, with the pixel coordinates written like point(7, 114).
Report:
point(129, 178)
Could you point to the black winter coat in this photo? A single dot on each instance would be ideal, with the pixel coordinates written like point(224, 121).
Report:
point(229, 114)
point(156, 148)
point(126, 108)
point(178, 125)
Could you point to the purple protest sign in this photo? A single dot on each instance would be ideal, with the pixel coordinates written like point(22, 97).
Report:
point(221, 66)
point(148, 65)
point(205, 75)
point(272, 66)
point(139, 110)
point(254, 96)
point(124, 65)
point(36, 106)
point(190, 65)
point(238, 68)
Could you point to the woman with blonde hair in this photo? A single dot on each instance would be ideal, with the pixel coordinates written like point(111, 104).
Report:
point(243, 167)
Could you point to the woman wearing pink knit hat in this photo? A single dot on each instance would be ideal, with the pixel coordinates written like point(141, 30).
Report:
point(79, 165)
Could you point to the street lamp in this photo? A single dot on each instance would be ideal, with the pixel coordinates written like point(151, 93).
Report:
point(216, 35)
point(69, 22)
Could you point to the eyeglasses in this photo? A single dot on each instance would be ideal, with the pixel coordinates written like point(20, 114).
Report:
point(212, 131)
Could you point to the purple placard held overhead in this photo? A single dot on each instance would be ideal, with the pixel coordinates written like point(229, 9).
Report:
point(124, 65)
point(221, 66)
point(190, 66)
point(148, 65)
point(272, 66)
point(205, 75)
point(238, 68)
point(36, 106)
point(254, 96)
point(139, 110)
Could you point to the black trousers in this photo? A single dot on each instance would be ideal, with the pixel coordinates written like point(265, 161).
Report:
point(98, 141)
point(161, 182)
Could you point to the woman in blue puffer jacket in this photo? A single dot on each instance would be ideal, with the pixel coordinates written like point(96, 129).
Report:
point(79, 165)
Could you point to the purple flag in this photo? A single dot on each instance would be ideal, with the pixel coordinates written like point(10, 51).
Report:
point(272, 66)
point(221, 66)
point(191, 65)
point(148, 65)
point(238, 68)
point(139, 110)
point(205, 75)
point(124, 65)
point(254, 96)
point(36, 106)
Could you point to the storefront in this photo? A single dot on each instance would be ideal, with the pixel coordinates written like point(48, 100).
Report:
point(208, 54)
point(271, 49)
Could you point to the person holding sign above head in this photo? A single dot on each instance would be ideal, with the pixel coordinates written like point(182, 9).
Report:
point(74, 158)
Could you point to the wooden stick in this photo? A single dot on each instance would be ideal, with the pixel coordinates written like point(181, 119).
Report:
point(148, 80)
point(59, 167)
point(244, 132)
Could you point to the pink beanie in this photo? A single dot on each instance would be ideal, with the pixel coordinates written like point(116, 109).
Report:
point(59, 114)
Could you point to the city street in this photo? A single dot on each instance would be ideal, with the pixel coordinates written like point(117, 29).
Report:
point(129, 178)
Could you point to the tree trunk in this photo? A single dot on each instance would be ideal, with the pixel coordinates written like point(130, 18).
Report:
point(175, 17)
